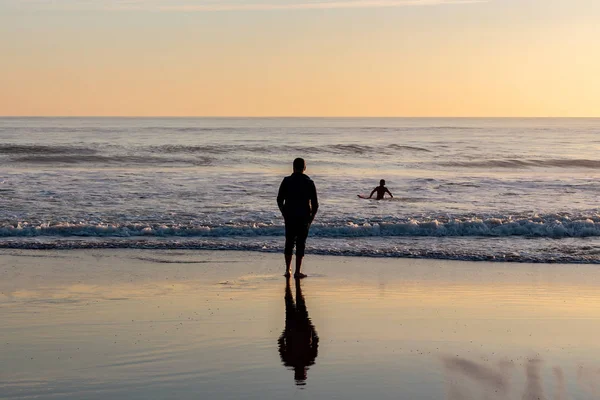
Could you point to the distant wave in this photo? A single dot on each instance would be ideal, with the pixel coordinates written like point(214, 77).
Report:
point(60, 154)
point(550, 226)
point(415, 128)
point(192, 149)
point(513, 163)
point(410, 148)
point(270, 149)
point(107, 160)
point(338, 149)
point(202, 129)
point(31, 149)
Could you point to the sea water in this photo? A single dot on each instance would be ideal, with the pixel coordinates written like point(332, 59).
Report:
point(474, 189)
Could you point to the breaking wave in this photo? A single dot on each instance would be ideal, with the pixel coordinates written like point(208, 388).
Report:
point(548, 226)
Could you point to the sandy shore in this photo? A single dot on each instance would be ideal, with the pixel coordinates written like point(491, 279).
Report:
point(133, 324)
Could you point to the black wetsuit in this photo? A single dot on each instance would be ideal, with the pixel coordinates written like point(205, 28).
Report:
point(297, 200)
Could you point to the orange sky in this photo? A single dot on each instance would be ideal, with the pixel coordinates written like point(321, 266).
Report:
point(286, 58)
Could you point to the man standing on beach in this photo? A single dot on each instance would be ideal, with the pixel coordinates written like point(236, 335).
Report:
point(297, 201)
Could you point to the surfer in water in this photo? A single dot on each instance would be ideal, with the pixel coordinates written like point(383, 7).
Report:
point(381, 190)
point(297, 201)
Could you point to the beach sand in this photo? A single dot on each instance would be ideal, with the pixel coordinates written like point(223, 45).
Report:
point(141, 324)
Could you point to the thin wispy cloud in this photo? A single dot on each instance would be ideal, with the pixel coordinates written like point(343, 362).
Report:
point(226, 5)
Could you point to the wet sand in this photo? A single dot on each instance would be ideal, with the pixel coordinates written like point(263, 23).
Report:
point(131, 324)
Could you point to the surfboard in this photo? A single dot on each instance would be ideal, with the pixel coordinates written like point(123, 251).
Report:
point(362, 196)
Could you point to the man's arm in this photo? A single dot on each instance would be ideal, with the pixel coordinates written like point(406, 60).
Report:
point(390, 193)
point(281, 196)
point(314, 202)
point(374, 190)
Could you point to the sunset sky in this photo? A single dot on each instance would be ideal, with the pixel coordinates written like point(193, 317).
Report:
point(300, 58)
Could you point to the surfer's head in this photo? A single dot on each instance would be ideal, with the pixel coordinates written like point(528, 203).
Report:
point(299, 165)
point(382, 182)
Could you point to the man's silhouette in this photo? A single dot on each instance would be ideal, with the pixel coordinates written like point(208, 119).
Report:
point(297, 201)
point(298, 343)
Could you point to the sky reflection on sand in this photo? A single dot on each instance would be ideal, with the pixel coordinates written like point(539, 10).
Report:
point(108, 324)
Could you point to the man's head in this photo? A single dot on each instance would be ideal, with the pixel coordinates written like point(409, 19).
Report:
point(382, 182)
point(299, 165)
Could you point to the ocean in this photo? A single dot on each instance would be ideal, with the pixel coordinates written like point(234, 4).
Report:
point(523, 190)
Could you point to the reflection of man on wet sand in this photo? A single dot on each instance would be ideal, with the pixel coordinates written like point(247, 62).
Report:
point(298, 343)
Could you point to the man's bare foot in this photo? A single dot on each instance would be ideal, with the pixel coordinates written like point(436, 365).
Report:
point(288, 273)
point(300, 275)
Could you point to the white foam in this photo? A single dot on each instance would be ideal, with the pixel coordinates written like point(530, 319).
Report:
point(551, 226)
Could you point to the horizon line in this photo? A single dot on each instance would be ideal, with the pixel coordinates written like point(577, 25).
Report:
point(298, 116)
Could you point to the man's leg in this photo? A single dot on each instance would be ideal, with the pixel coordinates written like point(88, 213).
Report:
point(299, 274)
point(288, 264)
point(300, 246)
point(289, 248)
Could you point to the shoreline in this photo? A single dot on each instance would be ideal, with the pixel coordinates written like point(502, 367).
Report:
point(160, 244)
